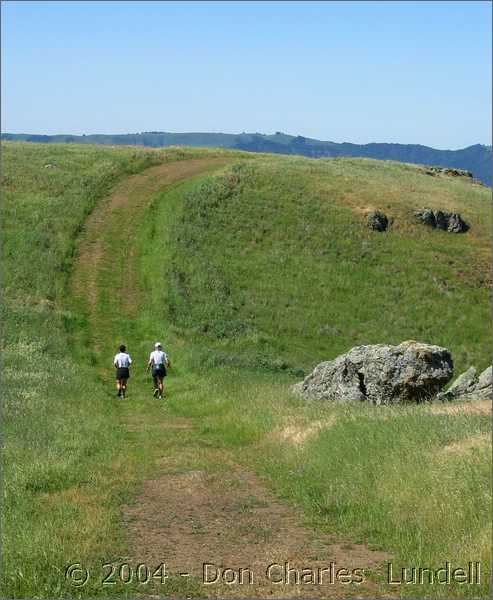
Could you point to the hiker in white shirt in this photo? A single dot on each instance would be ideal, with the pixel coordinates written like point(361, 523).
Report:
point(122, 362)
point(158, 360)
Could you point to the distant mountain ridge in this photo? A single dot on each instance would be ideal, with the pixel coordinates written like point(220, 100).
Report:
point(476, 158)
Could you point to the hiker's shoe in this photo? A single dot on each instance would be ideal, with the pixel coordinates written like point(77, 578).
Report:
point(155, 393)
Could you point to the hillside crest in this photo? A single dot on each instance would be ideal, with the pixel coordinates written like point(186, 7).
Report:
point(475, 158)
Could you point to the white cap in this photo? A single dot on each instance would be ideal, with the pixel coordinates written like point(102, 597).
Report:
point(157, 345)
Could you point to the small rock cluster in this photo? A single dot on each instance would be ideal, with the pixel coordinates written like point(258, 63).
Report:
point(449, 172)
point(469, 386)
point(377, 221)
point(438, 219)
point(380, 374)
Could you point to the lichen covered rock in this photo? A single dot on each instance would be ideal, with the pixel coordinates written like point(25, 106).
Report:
point(438, 219)
point(380, 374)
point(469, 386)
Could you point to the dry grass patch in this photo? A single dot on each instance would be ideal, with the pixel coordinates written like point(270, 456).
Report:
point(474, 407)
point(481, 440)
point(298, 434)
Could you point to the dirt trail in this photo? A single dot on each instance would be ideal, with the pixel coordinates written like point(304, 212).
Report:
point(220, 515)
point(128, 200)
point(228, 533)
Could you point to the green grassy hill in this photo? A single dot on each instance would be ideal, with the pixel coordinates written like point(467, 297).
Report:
point(305, 279)
point(250, 269)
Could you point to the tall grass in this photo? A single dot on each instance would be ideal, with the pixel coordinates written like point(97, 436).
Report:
point(55, 430)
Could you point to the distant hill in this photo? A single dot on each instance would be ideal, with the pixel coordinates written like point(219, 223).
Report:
point(477, 158)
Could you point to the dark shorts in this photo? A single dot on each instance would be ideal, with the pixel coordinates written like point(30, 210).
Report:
point(122, 373)
point(159, 372)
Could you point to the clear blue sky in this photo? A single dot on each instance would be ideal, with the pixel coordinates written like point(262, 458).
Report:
point(408, 72)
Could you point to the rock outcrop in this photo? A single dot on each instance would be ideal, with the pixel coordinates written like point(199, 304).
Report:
point(380, 374)
point(469, 386)
point(449, 172)
point(377, 220)
point(438, 219)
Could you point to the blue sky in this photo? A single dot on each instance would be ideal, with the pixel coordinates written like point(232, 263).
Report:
point(408, 72)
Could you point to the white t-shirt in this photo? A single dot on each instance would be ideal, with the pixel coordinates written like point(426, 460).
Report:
point(158, 357)
point(122, 360)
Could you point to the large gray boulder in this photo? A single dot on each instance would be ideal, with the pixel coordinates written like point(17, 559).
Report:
point(469, 386)
point(380, 374)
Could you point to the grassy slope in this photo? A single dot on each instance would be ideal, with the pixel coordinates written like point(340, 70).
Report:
point(65, 455)
point(303, 281)
point(62, 445)
point(306, 280)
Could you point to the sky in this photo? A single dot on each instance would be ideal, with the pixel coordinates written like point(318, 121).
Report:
point(404, 72)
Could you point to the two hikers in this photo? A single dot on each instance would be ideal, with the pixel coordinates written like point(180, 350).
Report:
point(158, 361)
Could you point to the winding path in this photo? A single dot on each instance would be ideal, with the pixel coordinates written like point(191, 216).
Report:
point(185, 515)
point(106, 243)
